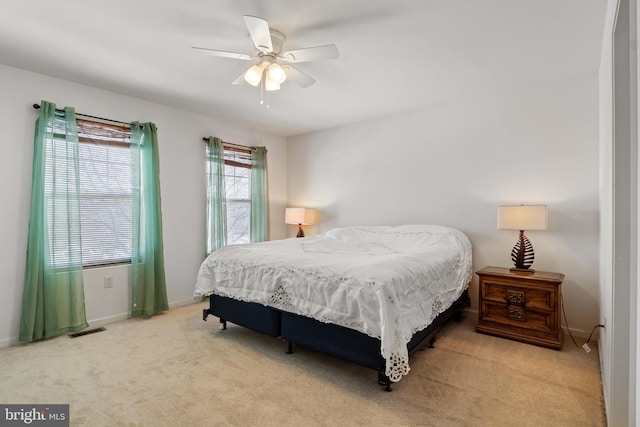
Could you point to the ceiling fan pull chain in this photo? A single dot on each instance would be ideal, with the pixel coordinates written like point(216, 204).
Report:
point(264, 93)
point(267, 96)
point(262, 90)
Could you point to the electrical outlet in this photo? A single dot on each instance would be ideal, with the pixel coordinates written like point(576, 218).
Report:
point(108, 282)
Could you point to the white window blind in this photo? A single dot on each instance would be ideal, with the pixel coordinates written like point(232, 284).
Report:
point(105, 192)
point(59, 175)
point(237, 178)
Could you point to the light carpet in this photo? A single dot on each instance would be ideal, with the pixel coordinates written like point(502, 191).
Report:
point(176, 370)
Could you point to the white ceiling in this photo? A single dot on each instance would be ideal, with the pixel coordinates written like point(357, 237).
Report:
point(395, 56)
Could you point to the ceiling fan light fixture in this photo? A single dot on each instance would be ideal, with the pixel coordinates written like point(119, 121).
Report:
point(270, 85)
point(277, 74)
point(253, 75)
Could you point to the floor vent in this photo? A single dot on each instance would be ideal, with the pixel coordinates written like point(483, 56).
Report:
point(87, 332)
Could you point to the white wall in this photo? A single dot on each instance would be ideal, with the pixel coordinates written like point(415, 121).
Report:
point(606, 201)
point(454, 164)
point(619, 343)
point(182, 180)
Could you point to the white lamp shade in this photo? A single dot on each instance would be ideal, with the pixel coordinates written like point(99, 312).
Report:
point(277, 74)
point(522, 217)
point(303, 216)
point(269, 84)
point(253, 75)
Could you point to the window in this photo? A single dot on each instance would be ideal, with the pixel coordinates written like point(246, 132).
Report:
point(105, 192)
point(237, 178)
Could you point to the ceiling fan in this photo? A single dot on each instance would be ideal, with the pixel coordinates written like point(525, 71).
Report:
point(272, 66)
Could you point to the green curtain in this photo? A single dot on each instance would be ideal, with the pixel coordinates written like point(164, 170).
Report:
point(259, 212)
point(149, 290)
point(53, 294)
point(216, 228)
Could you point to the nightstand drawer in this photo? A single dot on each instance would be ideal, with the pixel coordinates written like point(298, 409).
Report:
point(533, 296)
point(517, 316)
point(520, 306)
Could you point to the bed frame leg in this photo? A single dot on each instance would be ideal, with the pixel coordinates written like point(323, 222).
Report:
point(384, 380)
point(223, 325)
point(289, 348)
point(431, 341)
point(205, 314)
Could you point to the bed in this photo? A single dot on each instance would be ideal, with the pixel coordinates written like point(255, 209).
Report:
point(370, 295)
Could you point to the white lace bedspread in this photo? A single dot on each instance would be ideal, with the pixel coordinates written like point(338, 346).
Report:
point(387, 282)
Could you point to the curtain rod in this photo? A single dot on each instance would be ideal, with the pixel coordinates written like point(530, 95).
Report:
point(37, 107)
point(231, 144)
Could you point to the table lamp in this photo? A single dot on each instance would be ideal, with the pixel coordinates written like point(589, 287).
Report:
point(300, 216)
point(522, 217)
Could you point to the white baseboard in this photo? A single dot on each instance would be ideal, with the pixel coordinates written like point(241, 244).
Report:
point(102, 321)
point(124, 316)
point(578, 334)
point(183, 303)
point(471, 310)
point(9, 342)
point(95, 323)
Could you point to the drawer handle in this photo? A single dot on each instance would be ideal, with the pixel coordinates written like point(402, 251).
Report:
point(515, 297)
point(516, 313)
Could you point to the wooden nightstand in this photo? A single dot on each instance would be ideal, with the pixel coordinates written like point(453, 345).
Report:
point(521, 306)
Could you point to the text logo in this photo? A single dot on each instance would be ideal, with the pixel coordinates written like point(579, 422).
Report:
point(34, 415)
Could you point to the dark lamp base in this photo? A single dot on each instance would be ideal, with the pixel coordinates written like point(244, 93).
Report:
point(300, 232)
point(522, 255)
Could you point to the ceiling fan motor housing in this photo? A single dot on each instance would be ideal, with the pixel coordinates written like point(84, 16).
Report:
point(266, 59)
point(277, 40)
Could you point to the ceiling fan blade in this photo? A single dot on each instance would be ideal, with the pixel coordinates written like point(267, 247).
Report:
point(259, 31)
point(317, 53)
point(240, 80)
point(223, 54)
point(297, 76)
